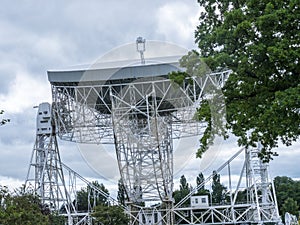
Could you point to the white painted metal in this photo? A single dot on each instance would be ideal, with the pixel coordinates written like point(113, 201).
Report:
point(45, 175)
point(199, 201)
point(258, 207)
point(141, 48)
point(290, 219)
point(52, 181)
point(141, 116)
point(43, 123)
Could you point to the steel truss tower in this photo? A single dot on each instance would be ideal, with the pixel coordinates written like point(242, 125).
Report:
point(54, 182)
point(45, 174)
point(261, 189)
point(252, 200)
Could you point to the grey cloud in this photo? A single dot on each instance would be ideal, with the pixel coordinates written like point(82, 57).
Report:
point(7, 75)
point(14, 160)
point(36, 36)
point(20, 130)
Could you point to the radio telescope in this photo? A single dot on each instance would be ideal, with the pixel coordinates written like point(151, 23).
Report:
point(128, 99)
point(133, 104)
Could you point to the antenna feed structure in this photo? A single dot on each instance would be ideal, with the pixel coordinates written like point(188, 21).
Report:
point(141, 48)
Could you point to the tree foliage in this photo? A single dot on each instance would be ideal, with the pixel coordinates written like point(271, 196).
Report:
point(200, 180)
point(218, 189)
point(184, 185)
point(212, 107)
point(110, 215)
point(84, 194)
point(290, 206)
point(122, 196)
point(286, 188)
point(3, 120)
point(259, 41)
point(55, 219)
point(184, 190)
point(212, 113)
point(194, 67)
point(21, 209)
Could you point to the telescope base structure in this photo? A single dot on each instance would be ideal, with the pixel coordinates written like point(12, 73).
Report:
point(251, 200)
point(56, 184)
point(46, 178)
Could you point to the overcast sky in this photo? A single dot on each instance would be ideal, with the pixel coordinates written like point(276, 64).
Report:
point(36, 36)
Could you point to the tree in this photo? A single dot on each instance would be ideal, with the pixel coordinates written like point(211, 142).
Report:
point(259, 41)
point(183, 191)
point(285, 188)
point(241, 196)
point(3, 120)
point(122, 196)
point(55, 219)
point(21, 208)
point(212, 107)
point(110, 215)
point(83, 197)
point(290, 206)
point(200, 180)
point(184, 185)
point(218, 189)
point(194, 66)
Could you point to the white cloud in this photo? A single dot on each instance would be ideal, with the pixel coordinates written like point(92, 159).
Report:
point(25, 92)
point(177, 21)
point(10, 182)
point(54, 48)
point(55, 34)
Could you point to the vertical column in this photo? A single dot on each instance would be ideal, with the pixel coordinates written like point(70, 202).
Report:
point(45, 171)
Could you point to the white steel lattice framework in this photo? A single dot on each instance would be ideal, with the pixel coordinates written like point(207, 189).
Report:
point(139, 110)
point(45, 174)
point(56, 184)
point(252, 200)
point(53, 182)
point(141, 117)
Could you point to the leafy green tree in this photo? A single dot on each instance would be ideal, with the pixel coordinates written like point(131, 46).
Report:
point(122, 196)
point(55, 219)
point(242, 196)
point(110, 215)
point(184, 185)
point(200, 180)
point(184, 190)
point(178, 77)
point(212, 110)
point(218, 190)
point(21, 209)
point(194, 66)
point(285, 188)
point(290, 206)
point(84, 194)
point(259, 41)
